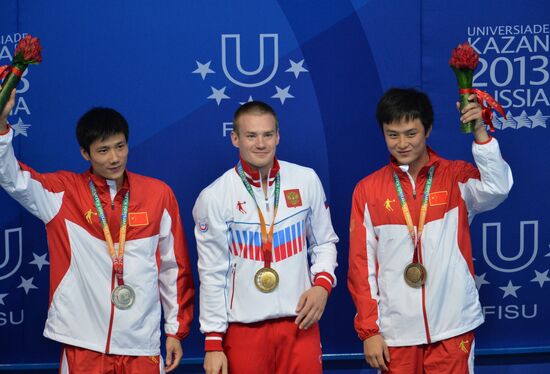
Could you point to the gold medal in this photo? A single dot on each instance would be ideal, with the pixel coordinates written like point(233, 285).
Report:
point(266, 279)
point(415, 274)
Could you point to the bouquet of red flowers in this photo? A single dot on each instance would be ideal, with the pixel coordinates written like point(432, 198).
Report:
point(464, 61)
point(28, 51)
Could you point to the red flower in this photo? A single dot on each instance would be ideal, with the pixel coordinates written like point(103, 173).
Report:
point(464, 57)
point(28, 50)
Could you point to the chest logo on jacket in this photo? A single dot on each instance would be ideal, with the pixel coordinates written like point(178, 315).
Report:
point(287, 242)
point(138, 219)
point(387, 205)
point(240, 206)
point(293, 198)
point(438, 198)
point(89, 214)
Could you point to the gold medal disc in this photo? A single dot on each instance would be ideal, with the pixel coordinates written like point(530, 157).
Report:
point(266, 279)
point(415, 275)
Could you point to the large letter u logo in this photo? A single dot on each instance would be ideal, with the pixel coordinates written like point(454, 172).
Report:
point(231, 52)
point(10, 265)
point(517, 262)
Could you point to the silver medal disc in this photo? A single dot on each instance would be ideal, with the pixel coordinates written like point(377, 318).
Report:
point(123, 297)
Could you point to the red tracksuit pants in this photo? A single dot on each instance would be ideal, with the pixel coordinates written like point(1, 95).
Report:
point(75, 360)
point(273, 347)
point(450, 356)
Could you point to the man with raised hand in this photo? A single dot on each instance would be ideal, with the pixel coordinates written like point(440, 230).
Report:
point(411, 273)
point(117, 252)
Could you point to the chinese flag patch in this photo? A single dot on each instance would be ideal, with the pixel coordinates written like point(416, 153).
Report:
point(138, 219)
point(438, 198)
point(293, 198)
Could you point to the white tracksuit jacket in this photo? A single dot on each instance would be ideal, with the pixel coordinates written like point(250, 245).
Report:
point(229, 246)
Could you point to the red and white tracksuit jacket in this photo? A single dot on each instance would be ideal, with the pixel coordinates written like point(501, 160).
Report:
point(156, 263)
point(381, 247)
point(229, 246)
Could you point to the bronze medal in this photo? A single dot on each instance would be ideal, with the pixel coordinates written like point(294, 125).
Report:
point(266, 279)
point(123, 297)
point(415, 274)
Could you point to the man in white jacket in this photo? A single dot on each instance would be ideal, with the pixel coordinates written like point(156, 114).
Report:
point(256, 225)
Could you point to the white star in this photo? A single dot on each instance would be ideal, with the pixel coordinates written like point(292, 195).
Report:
point(2, 295)
point(247, 101)
point(282, 94)
point(497, 122)
point(548, 254)
point(480, 281)
point(20, 128)
point(296, 68)
point(203, 69)
point(218, 95)
point(541, 278)
point(39, 260)
point(27, 284)
point(523, 120)
point(538, 119)
point(510, 289)
point(510, 122)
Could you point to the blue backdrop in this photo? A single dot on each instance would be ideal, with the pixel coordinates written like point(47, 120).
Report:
point(178, 70)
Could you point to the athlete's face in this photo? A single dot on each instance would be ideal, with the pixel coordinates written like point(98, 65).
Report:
point(257, 138)
point(406, 141)
point(108, 157)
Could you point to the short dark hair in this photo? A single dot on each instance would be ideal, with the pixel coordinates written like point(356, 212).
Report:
point(99, 124)
point(405, 104)
point(253, 107)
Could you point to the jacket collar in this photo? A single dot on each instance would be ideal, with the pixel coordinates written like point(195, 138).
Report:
point(253, 176)
point(101, 185)
point(434, 159)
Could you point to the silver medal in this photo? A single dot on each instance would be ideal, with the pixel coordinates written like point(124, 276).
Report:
point(123, 297)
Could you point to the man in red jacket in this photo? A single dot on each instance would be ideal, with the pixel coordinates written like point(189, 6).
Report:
point(117, 252)
point(411, 272)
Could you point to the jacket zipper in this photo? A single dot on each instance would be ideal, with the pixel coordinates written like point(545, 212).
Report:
point(424, 313)
point(233, 285)
point(266, 196)
point(413, 185)
point(111, 319)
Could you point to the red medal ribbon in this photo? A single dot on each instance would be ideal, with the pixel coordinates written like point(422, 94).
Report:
point(116, 256)
point(267, 237)
point(486, 113)
point(6, 69)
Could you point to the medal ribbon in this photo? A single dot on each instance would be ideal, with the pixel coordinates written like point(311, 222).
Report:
point(6, 69)
point(407, 212)
point(116, 257)
point(267, 238)
point(486, 112)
